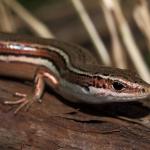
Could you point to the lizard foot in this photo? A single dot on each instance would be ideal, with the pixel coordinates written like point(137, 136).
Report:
point(25, 101)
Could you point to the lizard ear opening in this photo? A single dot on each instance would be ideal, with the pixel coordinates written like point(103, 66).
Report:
point(118, 86)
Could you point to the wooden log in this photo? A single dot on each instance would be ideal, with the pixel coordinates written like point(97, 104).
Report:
point(57, 124)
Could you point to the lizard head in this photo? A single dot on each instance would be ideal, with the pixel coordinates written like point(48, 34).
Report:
point(118, 85)
point(104, 84)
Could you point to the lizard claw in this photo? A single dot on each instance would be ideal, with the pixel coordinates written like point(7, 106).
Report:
point(20, 94)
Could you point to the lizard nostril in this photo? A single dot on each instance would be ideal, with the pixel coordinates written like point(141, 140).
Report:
point(143, 90)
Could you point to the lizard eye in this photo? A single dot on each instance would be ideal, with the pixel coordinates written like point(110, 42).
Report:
point(118, 86)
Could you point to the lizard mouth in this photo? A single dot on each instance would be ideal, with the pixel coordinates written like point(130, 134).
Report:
point(128, 98)
point(134, 98)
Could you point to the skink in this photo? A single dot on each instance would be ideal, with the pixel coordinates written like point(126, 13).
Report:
point(67, 70)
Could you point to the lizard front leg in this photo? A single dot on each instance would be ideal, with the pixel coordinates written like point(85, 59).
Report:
point(37, 92)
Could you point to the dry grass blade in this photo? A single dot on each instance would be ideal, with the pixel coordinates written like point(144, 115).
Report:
point(36, 25)
point(142, 19)
point(128, 40)
point(95, 38)
point(7, 23)
point(117, 49)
